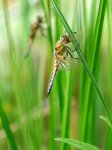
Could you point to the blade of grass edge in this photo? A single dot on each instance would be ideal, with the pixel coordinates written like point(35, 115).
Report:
point(93, 64)
point(108, 143)
point(8, 28)
point(7, 128)
point(47, 10)
point(67, 109)
point(77, 144)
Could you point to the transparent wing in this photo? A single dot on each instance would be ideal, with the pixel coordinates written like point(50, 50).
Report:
point(78, 37)
point(69, 62)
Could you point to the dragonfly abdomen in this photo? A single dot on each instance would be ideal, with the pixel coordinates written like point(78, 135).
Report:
point(53, 74)
point(33, 31)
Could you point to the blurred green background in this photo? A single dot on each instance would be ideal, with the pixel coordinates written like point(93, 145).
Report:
point(30, 121)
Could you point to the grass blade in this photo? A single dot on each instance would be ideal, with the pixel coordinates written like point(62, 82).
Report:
point(94, 49)
point(77, 144)
point(8, 28)
point(67, 109)
point(7, 128)
point(47, 10)
point(108, 144)
point(106, 121)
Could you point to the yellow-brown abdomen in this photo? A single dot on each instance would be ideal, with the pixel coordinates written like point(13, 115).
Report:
point(34, 29)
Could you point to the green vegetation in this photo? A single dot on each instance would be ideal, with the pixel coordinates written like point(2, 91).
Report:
point(78, 111)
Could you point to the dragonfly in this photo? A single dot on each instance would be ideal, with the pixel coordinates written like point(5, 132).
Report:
point(62, 52)
point(37, 25)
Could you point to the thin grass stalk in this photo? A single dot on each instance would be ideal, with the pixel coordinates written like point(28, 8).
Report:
point(91, 111)
point(47, 12)
point(24, 99)
point(12, 56)
point(98, 31)
point(89, 55)
point(43, 6)
point(6, 127)
point(83, 25)
point(8, 28)
point(25, 16)
point(91, 29)
point(90, 127)
point(60, 93)
point(63, 5)
point(28, 107)
point(49, 24)
point(40, 96)
point(84, 2)
point(58, 26)
point(82, 58)
point(24, 90)
point(83, 75)
point(84, 78)
point(66, 111)
point(108, 143)
point(74, 18)
point(88, 46)
point(52, 122)
point(40, 89)
point(47, 9)
point(109, 16)
point(22, 105)
point(29, 95)
point(52, 128)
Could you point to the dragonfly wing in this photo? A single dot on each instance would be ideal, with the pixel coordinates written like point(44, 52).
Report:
point(64, 65)
point(69, 62)
point(78, 37)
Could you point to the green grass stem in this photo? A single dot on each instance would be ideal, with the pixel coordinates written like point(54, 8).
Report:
point(93, 62)
point(7, 129)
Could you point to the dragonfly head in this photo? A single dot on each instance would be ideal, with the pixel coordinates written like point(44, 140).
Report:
point(65, 39)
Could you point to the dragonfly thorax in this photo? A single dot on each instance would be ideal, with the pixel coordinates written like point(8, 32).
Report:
point(58, 47)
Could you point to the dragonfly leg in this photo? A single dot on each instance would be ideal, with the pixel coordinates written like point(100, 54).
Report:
point(70, 54)
point(67, 49)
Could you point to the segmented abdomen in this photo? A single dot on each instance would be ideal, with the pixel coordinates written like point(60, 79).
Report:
point(53, 74)
point(32, 35)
